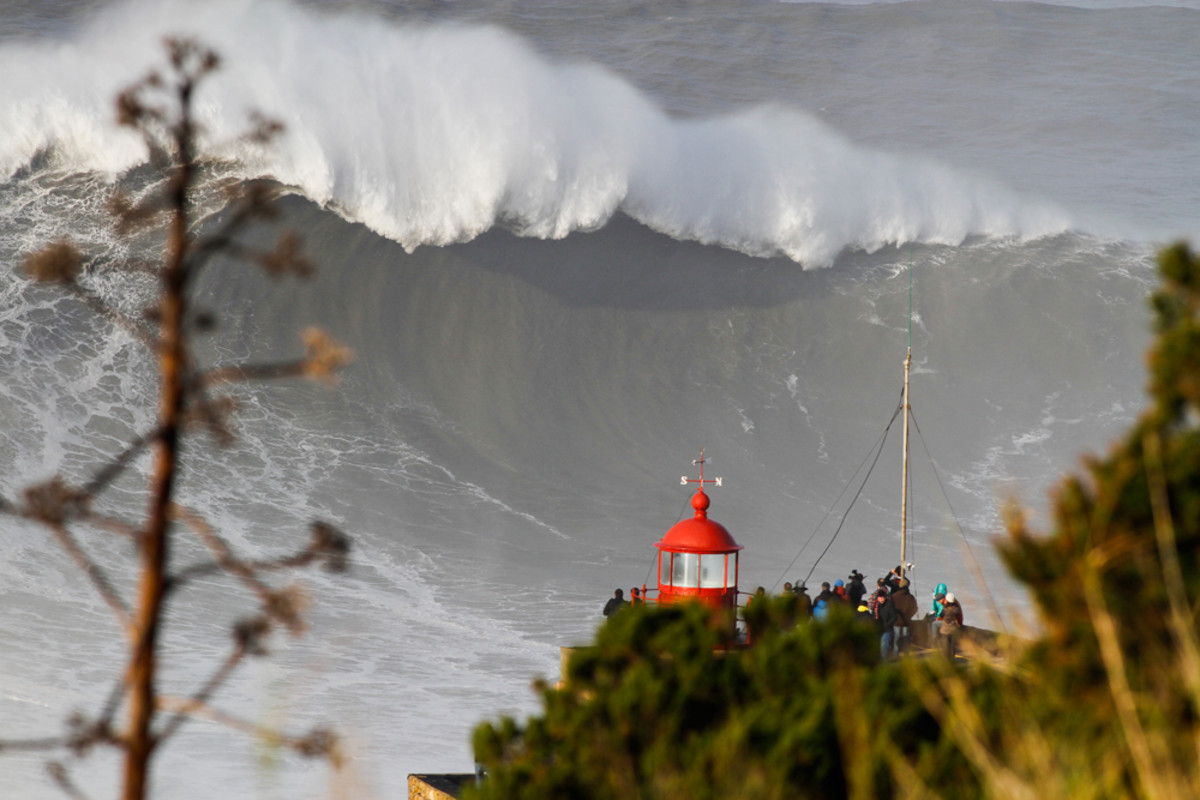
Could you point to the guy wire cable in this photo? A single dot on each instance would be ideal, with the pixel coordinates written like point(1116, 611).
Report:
point(862, 486)
point(958, 524)
point(877, 446)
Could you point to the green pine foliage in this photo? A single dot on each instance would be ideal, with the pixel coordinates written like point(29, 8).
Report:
point(660, 706)
point(1104, 702)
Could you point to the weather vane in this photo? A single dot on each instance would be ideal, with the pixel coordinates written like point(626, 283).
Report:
point(684, 480)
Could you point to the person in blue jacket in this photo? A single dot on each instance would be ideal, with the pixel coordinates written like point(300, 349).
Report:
point(821, 610)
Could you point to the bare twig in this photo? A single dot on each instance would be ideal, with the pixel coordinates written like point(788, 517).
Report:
point(317, 743)
point(283, 605)
point(107, 311)
point(96, 575)
point(1118, 680)
point(45, 743)
point(58, 772)
point(111, 524)
point(200, 698)
point(324, 357)
point(113, 469)
point(159, 108)
point(1182, 622)
point(240, 373)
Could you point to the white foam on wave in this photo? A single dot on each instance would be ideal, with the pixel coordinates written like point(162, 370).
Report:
point(431, 135)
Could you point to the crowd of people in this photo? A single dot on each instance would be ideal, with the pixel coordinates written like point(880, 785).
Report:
point(891, 607)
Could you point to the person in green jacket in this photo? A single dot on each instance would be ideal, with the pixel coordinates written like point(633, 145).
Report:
point(939, 598)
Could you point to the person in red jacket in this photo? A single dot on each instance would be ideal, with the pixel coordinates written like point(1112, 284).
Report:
point(886, 616)
point(839, 589)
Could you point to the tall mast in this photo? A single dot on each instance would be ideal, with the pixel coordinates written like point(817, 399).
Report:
point(904, 463)
point(904, 475)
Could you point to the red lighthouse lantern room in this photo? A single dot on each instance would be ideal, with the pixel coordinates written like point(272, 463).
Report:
point(697, 558)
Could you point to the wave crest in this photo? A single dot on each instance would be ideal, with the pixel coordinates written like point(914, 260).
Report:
point(434, 134)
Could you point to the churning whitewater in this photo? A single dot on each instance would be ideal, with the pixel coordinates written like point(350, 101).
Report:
point(571, 244)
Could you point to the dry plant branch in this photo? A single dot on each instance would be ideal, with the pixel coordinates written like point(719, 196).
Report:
point(909, 783)
point(318, 743)
point(201, 697)
point(1182, 620)
point(226, 560)
point(58, 772)
point(323, 359)
point(160, 109)
point(113, 469)
point(948, 699)
point(1118, 680)
point(328, 545)
point(111, 524)
point(62, 263)
point(853, 731)
point(96, 575)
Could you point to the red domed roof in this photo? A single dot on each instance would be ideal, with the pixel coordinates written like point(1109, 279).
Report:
point(699, 534)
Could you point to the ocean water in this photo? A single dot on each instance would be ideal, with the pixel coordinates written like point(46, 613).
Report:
point(571, 245)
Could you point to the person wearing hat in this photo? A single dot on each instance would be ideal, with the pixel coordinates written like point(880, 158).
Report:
point(804, 603)
point(825, 594)
point(892, 579)
point(821, 610)
point(949, 624)
point(888, 619)
point(880, 588)
point(939, 597)
point(906, 610)
point(856, 590)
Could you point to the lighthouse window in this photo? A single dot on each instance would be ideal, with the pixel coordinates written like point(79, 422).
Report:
point(712, 571)
point(664, 568)
point(686, 569)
